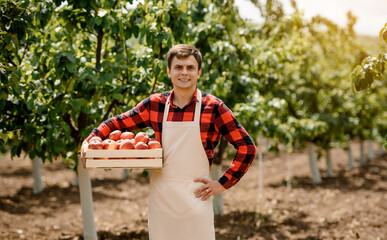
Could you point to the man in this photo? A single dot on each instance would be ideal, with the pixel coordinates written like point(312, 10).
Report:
point(189, 124)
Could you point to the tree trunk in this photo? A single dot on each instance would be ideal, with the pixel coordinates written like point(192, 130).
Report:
point(351, 162)
point(362, 159)
point(382, 151)
point(260, 178)
point(216, 172)
point(217, 201)
point(75, 180)
point(125, 174)
point(316, 177)
point(37, 174)
point(268, 145)
point(99, 47)
point(85, 191)
point(371, 154)
point(218, 157)
point(288, 170)
point(329, 163)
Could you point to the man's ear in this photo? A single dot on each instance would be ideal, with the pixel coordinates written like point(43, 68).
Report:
point(168, 71)
point(199, 73)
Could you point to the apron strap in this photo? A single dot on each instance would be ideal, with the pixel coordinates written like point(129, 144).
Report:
point(198, 106)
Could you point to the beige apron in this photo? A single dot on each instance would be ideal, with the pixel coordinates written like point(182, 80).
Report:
point(174, 213)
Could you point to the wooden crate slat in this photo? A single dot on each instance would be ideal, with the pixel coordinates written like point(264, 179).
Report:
point(124, 163)
point(121, 159)
point(90, 153)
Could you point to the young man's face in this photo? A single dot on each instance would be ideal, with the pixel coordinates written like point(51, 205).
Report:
point(184, 73)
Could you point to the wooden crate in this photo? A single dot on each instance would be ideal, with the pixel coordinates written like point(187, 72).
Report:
point(148, 159)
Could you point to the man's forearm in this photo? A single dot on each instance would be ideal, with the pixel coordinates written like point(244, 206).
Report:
point(245, 155)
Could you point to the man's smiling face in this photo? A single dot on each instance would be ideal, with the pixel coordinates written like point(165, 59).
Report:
point(184, 73)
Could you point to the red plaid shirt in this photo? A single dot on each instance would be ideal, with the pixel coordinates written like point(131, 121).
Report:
point(216, 120)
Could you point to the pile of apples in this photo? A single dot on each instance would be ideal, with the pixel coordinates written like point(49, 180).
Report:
point(124, 140)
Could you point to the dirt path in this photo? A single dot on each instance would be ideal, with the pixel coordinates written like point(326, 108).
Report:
point(351, 205)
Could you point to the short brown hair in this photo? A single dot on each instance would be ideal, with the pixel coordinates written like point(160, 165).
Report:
point(184, 51)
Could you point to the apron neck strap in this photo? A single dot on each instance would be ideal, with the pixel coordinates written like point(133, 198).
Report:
point(197, 107)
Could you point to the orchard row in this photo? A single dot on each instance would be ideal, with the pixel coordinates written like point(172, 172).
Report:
point(66, 66)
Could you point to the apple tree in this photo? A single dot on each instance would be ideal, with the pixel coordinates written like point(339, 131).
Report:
point(370, 76)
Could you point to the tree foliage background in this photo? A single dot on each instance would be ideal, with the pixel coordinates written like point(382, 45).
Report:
point(66, 66)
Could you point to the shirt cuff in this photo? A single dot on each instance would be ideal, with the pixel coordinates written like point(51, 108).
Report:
point(225, 182)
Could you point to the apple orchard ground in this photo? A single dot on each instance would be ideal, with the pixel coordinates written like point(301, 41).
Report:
point(351, 205)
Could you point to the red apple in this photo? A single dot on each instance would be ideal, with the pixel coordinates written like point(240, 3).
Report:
point(95, 144)
point(154, 144)
point(141, 137)
point(109, 144)
point(96, 138)
point(127, 144)
point(141, 145)
point(119, 142)
point(115, 135)
point(127, 135)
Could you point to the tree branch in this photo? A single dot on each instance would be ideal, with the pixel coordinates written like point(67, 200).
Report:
point(99, 47)
point(156, 77)
point(114, 102)
point(11, 61)
point(114, 4)
point(82, 120)
point(74, 131)
point(291, 109)
point(26, 45)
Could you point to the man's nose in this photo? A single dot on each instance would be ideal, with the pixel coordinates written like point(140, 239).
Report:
point(185, 71)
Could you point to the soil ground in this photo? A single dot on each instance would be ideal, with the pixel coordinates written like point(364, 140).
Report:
point(350, 205)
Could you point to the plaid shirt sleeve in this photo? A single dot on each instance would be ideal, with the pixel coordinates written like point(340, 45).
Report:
point(232, 130)
point(136, 118)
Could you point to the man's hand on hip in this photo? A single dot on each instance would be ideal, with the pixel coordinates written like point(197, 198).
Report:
point(210, 188)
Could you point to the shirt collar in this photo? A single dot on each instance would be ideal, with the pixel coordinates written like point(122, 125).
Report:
point(194, 99)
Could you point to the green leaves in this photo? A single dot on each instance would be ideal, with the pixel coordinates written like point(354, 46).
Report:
point(76, 105)
point(66, 66)
point(371, 69)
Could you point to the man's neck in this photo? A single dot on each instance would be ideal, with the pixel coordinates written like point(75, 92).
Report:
point(182, 97)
